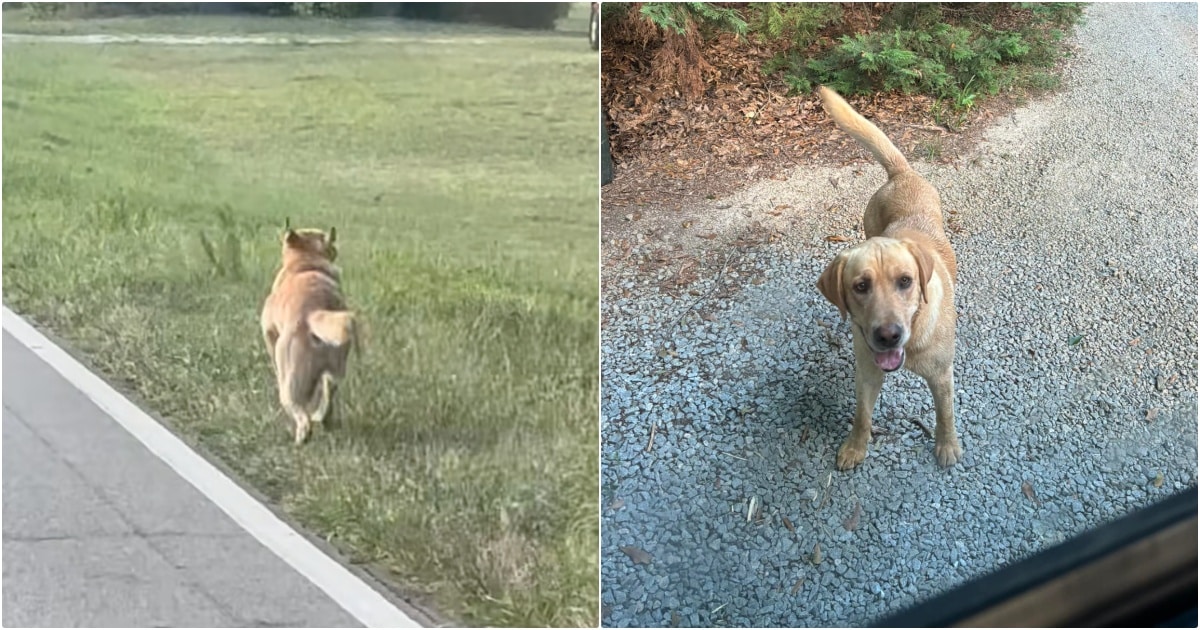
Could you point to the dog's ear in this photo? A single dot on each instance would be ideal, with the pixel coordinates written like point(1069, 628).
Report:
point(291, 238)
point(830, 284)
point(332, 236)
point(924, 265)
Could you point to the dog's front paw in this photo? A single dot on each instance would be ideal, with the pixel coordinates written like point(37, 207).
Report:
point(948, 452)
point(851, 454)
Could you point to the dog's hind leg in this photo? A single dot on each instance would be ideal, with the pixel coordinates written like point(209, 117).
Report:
point(303, 427)
point(288, 382)
point(325, 404)
point(327, 386)
point(302, 423)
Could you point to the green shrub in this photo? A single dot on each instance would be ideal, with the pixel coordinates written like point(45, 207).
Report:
point(919, 52)
point(1060, 14)
point(678, 16)
point(797, 23)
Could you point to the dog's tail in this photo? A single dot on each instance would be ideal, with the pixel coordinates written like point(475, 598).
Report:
point(866, 133)
point(335, 328)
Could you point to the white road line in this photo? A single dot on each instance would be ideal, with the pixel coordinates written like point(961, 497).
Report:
point(345, 588)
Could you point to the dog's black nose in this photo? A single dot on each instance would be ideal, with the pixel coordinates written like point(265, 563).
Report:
point(888, 336)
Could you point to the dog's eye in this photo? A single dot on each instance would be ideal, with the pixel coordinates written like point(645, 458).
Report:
point(905, 282)
point(862, 286)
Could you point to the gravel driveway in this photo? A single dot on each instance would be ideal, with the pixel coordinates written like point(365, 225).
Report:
point(1078, 218)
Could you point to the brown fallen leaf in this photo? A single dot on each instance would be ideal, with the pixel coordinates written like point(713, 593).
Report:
point(1027, 490)
point(1151, 414)
point(758, 280)
point(836, 238)
point(639, 556)
point(851, 523)
point(708, 237)
point(788, 524)
point(1135, 341)
point(709, 317)
point(816, 554)
point(797, 586)
point(1158, 480)
point(686, 224)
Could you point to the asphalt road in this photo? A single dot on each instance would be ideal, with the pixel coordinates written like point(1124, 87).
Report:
point(98, 531)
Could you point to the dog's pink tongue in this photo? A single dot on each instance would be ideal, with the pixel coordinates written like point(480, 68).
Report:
point(890, 360)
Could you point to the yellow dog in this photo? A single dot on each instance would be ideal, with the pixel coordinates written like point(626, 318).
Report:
point(898, 287)
point(307, 329)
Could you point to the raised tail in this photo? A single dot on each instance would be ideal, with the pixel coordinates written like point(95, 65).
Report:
point(335, 328)
point(864, 131)
point(332, 328)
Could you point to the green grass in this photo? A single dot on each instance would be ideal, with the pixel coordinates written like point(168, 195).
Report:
point(24, 21)
point(462, 180)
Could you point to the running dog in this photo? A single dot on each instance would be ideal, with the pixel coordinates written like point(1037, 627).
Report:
point(307, 329)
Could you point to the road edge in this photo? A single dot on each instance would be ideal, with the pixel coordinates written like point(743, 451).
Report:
point(348, 590)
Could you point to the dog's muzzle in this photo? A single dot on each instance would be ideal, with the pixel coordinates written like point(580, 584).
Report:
point(889, 338)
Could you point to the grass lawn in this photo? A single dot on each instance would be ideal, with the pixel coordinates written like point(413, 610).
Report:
point(462, 179)
point(23, 21)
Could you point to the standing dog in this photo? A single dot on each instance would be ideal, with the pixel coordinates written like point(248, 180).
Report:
point(306, 327)
point(898, 287)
